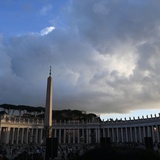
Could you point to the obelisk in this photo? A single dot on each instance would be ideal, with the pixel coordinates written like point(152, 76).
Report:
point(48, 109)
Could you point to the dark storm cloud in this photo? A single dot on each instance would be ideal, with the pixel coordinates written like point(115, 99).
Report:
point(105, 60)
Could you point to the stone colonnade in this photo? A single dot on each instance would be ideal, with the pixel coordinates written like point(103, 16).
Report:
point(118, 134)
point(20, 135)
point(18, 130)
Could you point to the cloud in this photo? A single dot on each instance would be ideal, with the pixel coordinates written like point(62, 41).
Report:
point(105, 60)
point(47, 30)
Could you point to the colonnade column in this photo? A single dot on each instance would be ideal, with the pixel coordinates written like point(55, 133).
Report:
point(157, 131)
point(149, 131)
point(69, 136)
point(89, 135)
point(22, 135)
point(64, 136)
point(117, 135)
point(104, 133)
point(113, 138)
point(122, 135)
point(140, 135)
point(131, 136)
point(144, 133)
point(41, 136)
point(27, 135)
point(78, 136)
point(98, 135)
point(108, 133)
point(95, 134)
point(74, 136)
point(126, 134)
point(17, 137)
point(12, 139)
point(7, 135)
point(135, 134)
point(36, 135)
point(83, 135)
point(153, 136)
point(32, 134)
point(59, 136)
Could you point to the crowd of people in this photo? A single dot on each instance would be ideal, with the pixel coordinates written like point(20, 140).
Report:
point(77, 152)
point(19, 152)
point(71, 152)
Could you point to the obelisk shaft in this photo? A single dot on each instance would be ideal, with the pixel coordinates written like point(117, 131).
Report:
point(48, 109)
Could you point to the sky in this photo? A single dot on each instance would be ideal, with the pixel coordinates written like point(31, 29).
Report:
point(104, 55)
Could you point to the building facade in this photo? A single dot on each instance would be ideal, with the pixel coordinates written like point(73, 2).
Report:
point(16, 130)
